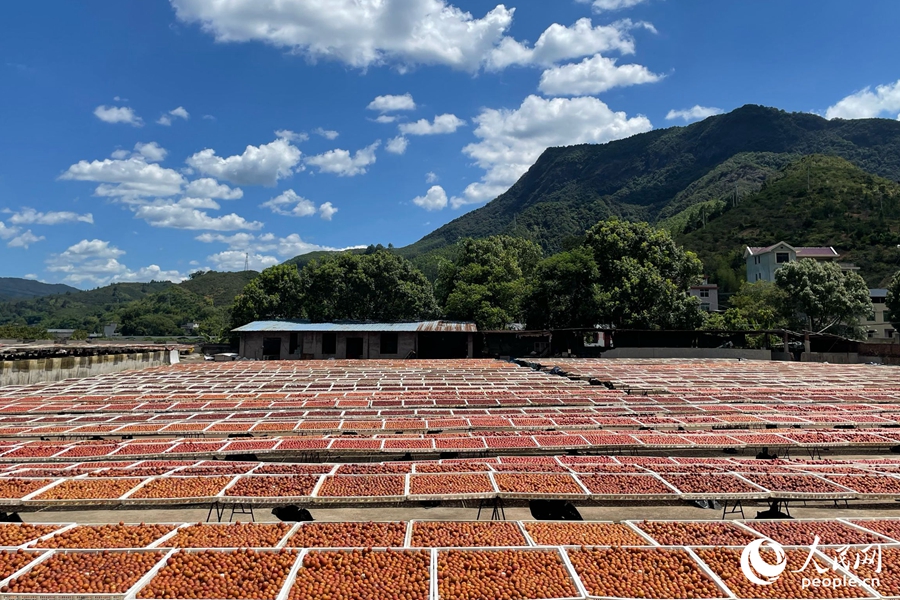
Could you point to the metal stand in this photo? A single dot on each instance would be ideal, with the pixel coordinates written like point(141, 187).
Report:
point(219, 508)
point(496, 506)
point(736, 508)
point(815, 453)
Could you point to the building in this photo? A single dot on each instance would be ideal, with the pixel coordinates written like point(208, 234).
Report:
point(708, 294)
point(763, 261)
point(878, 323)
point(274, 340)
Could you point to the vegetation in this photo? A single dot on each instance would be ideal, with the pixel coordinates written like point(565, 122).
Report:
point(819, 296)
point(487, 280)
point(565, 292)
point(14, 288)
point(892, 302)
point(275, 294)
point(23, 332)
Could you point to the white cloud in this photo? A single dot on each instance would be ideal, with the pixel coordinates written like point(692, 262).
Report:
point(263, 250)
point(131, 178)
point(397, 145)
point(385, 119)
point(446, 123)
point(184, 215)
point(29, 216)
point(120, 154)
point(175, 113)
point(258, 165)
point(358, 33)
point(327, 210)
point(30, 276)
point(511, 140)
point(867, 104)
point(611, 5)
point(694, 113)
point(152, 152)
point(24, 239)
point(190, 202)
point(96, 262)
point(391, 103)
point(291, 136)
point(431, 177)
point(118, 114)
point(209, 117)
point(341, 163)
point(290, 204)
point(328, 134)
point(7, 232)
point(558, 43)
point(207, 187)
point(592, 76)
point(434, 199)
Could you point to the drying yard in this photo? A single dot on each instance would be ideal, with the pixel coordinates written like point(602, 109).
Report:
point(122, 480)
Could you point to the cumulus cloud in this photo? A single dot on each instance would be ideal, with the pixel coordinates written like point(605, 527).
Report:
point(258, 165)
point(328, 134)
point(341, 163)
point(176, 113)
point(206, 187)
point(188, 214)
point(360, 34)
point(327, 210)
point(96, 262)
point(390, 103)
point(511, 140)
point(29, 216)
point(264, 250)
point(559, 43)
point(592, 76)
point(385, 119)
point(291, 136)
point(431, 177)
point(118, 114)
point(694, 113)
point(446, 123)
point(151, 151)
point(127, 179)
point(397, 145)
point(434, 199)
point(883, 101)
point(7, 232)
point(611, 5)
point(24, 240)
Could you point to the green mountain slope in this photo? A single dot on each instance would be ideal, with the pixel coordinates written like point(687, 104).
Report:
point(650, 176)
point(219, 287)
point(15, 288)
point(814, 201)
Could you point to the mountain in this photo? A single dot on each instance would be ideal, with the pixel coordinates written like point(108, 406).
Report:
point(658, 175)
point(16, 288)
point(816, 200)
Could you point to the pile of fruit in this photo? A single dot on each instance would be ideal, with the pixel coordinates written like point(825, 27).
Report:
point(582, 534)
point(614, 484)
point(182, 487)
point(273, 486)
point(349, 535)
point(507, 574)
point(356, 574)
point(444, 483)
point(696, 533)
point(89, 489)
point(540, 483)
point(463, 534)
point(803, 533)
point(85, 573)
point(361, 486)
point(107, 536)
point(232, 535)
point(12, 534)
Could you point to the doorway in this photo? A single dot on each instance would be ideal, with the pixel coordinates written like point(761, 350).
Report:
point(354, 347)
point(271, 348)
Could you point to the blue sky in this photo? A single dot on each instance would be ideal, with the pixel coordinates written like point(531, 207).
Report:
point(146, 140)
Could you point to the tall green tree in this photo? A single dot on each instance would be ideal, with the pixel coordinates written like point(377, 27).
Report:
point(487, 280)
point(275, 294)
point(892, 302)
point(376, 286)
point(565, 292)
point(820, 297)
point(761, 304)
point(644, 277)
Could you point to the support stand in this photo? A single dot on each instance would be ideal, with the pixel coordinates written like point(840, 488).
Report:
point(219, 508)
point(496, 506)
point(736, 508)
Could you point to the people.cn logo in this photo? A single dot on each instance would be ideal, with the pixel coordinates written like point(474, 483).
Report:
point(758, 570)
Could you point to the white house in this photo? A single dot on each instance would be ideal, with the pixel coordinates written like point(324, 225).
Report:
point(762, 262)
point(878, 323)
point(708, 294)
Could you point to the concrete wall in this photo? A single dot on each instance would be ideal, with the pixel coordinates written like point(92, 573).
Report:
point(37, 370)
point(735, 353)
point(311, 345)
point(838, 358)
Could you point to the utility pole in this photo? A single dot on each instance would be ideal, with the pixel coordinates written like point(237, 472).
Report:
point(246, 261)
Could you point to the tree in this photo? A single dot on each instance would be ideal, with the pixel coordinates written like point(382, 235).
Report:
point(761, 304)
point(892, 302)
point(376, 286)
point(275, 294)
point(820, 296)
point(565, 292)
point(487, 280)
point(644, 277)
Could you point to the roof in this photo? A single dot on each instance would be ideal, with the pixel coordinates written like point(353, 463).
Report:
point(436, 326)
point(802, 251)
point(878, 293)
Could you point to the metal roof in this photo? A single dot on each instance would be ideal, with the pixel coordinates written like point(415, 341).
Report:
point(802, 251)
point(433, 326)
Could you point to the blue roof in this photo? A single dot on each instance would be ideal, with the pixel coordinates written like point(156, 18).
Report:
point(282, 326)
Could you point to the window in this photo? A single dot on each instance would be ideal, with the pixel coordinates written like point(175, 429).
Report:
point(889, 333)
point(871, 334)
point(704, 293)
point(294, 342)
point(705, 306)
point(389, 343)
point(871, 317)
point(782, 257)
point(329, 343)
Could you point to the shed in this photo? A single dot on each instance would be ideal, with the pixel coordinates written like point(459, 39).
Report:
point(273, 340)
